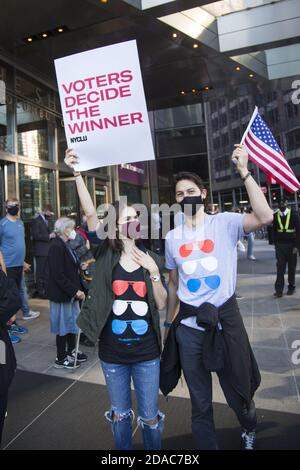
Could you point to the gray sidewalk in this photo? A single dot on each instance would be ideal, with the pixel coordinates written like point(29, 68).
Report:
point(272, 325)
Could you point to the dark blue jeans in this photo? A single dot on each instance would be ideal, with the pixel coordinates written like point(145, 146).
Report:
point(145, 377)
point(199, 382)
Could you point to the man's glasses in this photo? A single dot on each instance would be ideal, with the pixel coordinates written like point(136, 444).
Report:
point(120, 287)
point(139, 327)
point(139, 307)
point(207, 246)
point(212, 282)
point(209, 263)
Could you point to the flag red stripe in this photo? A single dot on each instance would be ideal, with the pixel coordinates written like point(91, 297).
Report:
point(280, 179)
point(264, 148)
point(284, 170)
point(289, 184)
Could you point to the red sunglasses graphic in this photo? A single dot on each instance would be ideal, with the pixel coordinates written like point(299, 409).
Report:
point(207, 246)
point(139, 287)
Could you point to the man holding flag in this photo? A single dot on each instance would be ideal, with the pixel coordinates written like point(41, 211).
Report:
point(264, 152)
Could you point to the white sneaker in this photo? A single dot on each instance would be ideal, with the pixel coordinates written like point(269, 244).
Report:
point(31, 315)
point(252, 257)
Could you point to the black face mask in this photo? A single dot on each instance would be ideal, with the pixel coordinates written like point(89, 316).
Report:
point(193, 203)
point(13, 210)
point(47, 216)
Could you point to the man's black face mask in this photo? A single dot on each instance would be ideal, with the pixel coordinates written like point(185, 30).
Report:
point(192, 204)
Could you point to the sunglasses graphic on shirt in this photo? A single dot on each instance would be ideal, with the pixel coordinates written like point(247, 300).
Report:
point(139, 307)
point(207, 246)
point(212, 282)
point(120, 287)
point(209, 263)
point(140, 327)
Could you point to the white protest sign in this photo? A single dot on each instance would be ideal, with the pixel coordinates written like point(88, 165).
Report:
point(104, 108)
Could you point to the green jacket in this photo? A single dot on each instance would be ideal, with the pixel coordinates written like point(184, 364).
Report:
point(98, 304)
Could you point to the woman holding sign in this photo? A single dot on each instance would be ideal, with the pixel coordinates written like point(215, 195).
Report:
point(121, 311)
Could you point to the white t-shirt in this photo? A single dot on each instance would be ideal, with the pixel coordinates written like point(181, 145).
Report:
point(206, 259)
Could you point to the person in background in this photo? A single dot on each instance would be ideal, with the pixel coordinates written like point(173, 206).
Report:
point(12, 246)
point(212, 209)
point(286, 229)
point(27, 313)
point(41, 235)
point(9, 305)
point(81, 247)
point(64, 291)
point(250, 240)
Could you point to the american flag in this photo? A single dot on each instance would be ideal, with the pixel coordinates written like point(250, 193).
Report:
point(264, 151)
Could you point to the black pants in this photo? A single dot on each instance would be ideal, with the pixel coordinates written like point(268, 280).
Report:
point(285, 256)
point(15, 273)
point(39, 269)
point(65, 345)
point(199, 382)
point(3, 406)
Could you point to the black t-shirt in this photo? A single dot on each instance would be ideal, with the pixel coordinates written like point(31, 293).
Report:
point(128, 335)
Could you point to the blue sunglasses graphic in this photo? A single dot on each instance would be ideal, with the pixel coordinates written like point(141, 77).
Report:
point(140, 327)
point(212, 282)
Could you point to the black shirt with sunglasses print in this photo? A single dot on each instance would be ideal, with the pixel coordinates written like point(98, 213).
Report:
point(128, 335)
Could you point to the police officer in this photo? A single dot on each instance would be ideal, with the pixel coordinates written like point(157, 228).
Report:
point(286, 228)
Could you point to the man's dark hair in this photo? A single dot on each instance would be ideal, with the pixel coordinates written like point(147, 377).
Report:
point(188, 175)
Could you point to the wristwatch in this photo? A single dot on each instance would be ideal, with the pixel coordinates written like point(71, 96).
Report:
point(155, 278)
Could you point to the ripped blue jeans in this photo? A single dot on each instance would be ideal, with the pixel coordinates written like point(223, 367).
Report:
point(145, 377)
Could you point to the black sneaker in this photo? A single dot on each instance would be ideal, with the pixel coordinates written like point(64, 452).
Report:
point(248, 440)
point(81, 357)
point(65, 364)
point(290, 291)
point(277, 294)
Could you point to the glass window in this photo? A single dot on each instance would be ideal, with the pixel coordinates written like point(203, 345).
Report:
point(61, 140)
point(179, 116)
point(216, 143)
point(69, 204)
point(6, 134)
point(6, 110)
point(215, 124)
point(37, 188)
point(223, 119)
point(100, 199)
point(32, 130)
point(224, 140)
point(234, 113)
point(236, 135)
point(35, 121)
point(186, 141)
point(293, 140)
